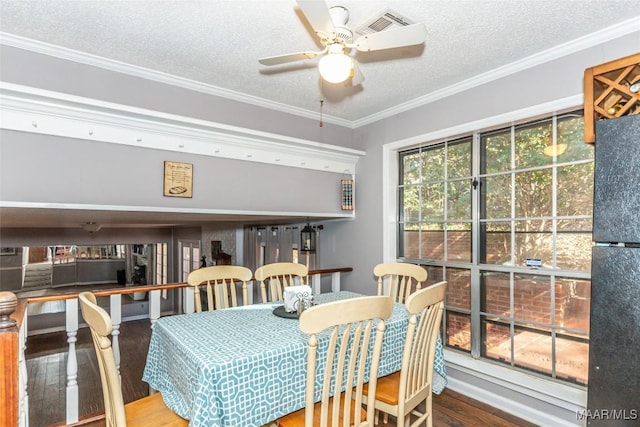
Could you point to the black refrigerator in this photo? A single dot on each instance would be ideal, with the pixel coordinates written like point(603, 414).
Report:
point(614, 351)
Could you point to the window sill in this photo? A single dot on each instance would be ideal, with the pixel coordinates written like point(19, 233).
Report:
point(538, 400)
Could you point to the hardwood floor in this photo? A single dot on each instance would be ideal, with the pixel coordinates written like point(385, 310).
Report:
point(46, 364)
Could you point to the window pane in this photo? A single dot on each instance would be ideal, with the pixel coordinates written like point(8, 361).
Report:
point(496, 243)
point(534, 240)
point(572, 307)
point(433, 201)
point(434, 274)
point(459, 160)
point(433, 163)
point(575, 189)
point(530, 142)
point(458, 331)
point(410, 203)
point(497, 192)
point(571, 132)
point(533, 193)
point(496, 293)
point(459, 242)
point(532, 298)
point(459, 288)
point(497, 150)
point(410, 246)
point(459, 200)
point(572, 358)
point(532, 349)
point(574, 244)
point(410, 168)
point(432, 241)
point(496, 340)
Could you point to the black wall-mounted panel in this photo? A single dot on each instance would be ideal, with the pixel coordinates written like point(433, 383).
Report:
point(616, 200)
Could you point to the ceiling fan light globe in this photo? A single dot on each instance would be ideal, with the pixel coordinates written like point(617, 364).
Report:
point(335, 68)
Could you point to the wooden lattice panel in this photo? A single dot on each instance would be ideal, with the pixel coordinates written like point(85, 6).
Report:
point(607, 92)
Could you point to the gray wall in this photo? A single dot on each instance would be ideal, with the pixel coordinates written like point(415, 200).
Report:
point(112, 174)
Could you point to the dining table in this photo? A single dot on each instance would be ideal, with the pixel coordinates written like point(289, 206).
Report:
point(246, 366)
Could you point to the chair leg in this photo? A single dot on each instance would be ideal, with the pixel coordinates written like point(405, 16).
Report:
point(385, 418)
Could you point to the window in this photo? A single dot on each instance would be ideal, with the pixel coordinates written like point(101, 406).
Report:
point(190, 258)
point(161, 263)
point(509, 228)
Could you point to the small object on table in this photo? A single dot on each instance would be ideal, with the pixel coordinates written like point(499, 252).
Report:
point(294, 295)
point(281, 312)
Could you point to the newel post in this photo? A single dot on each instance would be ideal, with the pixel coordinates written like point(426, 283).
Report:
point(9, 350)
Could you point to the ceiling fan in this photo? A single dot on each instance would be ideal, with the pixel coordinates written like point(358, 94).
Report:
point(329, 24)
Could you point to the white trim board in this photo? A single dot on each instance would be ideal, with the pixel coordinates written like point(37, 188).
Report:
point(33, 110)
point(181, 210)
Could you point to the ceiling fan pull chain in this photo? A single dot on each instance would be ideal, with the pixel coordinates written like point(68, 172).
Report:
point(321, 104)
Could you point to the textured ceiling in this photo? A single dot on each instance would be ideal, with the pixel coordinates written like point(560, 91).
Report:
point(218, 44)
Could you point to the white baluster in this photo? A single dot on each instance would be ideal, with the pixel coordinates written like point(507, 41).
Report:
point(188, 300)
point(250, 287)
point(72, 361)
point(335, 281)
point(23, 398)
point(115, 302)
point(316, 283)
point(154, 306)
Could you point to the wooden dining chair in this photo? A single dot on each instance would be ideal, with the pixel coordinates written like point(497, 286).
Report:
point(350, 324)
point(401, 279)
point(148, 411)
point(400, 393)
point(220, 285)
point(275, 277)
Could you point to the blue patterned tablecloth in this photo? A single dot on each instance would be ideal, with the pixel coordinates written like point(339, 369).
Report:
point(245, 366)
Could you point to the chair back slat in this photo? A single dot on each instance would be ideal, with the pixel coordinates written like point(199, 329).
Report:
point(219, 281)
point(401, 279)
point(276, 276)
point(101, 326)
point(425, 307)
point(354, 344)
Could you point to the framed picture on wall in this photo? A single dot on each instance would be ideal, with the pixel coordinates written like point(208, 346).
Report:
point(178, 179)
point(7, 251)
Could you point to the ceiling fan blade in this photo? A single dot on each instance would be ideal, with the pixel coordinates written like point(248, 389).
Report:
point(357, 77)
point(317, 13)
point(282, 59)
point(397, 37)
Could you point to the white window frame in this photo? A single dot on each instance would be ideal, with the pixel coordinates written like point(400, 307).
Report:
point(546, 401)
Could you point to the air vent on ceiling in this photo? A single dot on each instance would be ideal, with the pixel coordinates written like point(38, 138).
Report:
point(384, 20)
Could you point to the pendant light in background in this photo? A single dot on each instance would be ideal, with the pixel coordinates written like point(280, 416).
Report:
point(308, 238)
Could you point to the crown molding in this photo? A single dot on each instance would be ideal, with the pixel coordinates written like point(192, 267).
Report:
point(33, 110)
point(160, 77)
point(556, 52)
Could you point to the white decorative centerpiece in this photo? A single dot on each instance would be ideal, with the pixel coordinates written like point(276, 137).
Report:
point(296, 295)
